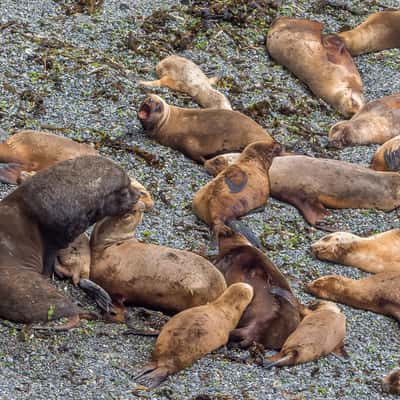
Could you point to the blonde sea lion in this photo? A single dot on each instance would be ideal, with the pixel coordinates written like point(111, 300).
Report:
point(195, 332)
point(387, 157)
point(379, 293)
point(380, 31)
point(376, 253)
point(391, 382)
point(376, 122)
point(322, 62)
point(199, 134)
point(183, 75)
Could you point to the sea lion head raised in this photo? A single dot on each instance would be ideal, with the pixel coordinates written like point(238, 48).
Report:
point(152, 113)
point(145, 196)
point(391, 382)
point(325, 287)
point(333, 247)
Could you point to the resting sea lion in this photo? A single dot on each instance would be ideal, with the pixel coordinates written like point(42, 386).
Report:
point(241, 187)
point(387, 157)
point(391, 382)
point(199, 134)
point(376, 253)
point(193, 333)
point(380, 31)
point(45, 214)
point(183, 75)
point(379, 293)
point(376, 122)
point(322, 62)
point(318, 334)
point(34, 150)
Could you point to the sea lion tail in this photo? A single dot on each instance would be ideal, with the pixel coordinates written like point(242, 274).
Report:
point(151, 375)
point(9, 173)
point(392, 159)
point(286, 360)
point(239, 227)
point(101, 297)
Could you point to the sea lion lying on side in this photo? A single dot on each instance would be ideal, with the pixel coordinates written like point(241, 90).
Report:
point(391, 382)
point(183, 75)
point(380, 31)
point(387, 157)
point(195, 332)
point(376, 122)
point(322, 62)
point(376, 253)
point(199, 134)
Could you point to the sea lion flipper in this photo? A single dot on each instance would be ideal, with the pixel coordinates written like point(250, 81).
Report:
point(213, 80)
point(341, 353)
point(10, 172)
point(140, 332)
point(392, 159)
point(240, 227)
point(235, 178)
point(151, 375)
point(278, 361)
point(156, 83)
point(101, 297)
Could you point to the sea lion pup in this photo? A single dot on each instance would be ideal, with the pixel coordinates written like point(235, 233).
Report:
point(376, 253)
point(380, 31)
point(195, 332)
point(379, 293)
point(183, 75)
point(238, 189)
point(376, 122)
point(43, 215)
point(387, 157)
point(199, 134)
point(34, 150)
point(322, 62)
point(321, 332)
point(391, 382)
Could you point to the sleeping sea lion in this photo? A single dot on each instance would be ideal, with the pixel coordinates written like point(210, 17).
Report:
point(387, 157)
point(183, 75)
point(376, 122)
point(322, 62)
point(391, 382)
point(195, 332)
point(199, 134)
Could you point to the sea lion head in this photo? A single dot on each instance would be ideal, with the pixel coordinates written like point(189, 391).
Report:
point(391, 382)
point(326, 287)
point(349, 101)
point(218, 163)
point(152, 113)
point(264, 151)
point(145, 196)
point(237, 296)
point(340, 134)
point(333, 247)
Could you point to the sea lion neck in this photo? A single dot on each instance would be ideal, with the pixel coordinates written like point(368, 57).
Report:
point(168, 113)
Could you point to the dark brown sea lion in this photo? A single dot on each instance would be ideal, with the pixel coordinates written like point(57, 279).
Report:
point(391, 382)
point(199, 134)
point(195, 332)
point(380, 31)
point(183, 75)
point(34, 150)
point(376, 122)
point(44, 215)
point(322, 62)
point(387, 157)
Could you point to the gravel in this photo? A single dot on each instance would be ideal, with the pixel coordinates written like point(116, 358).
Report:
point(74, 72)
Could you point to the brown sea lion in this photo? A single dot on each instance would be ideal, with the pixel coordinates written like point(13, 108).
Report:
point(183, 75)
point(34, 150)
point(320, 333)
point(376, 122)
point(379, 293)
point(387, 157)
point(241, 187)
point(380, 31)
point(376, 253)
point(195, 332)
point(45, 214)
point(199, 134)
point(391, 382)
point(322, 62)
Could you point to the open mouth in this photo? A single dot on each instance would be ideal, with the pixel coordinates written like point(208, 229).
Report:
point(144, 111)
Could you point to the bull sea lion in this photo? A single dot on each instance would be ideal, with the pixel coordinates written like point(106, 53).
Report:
point(387, 157)
point(195, 332)
point(322, 62)
point(376, 253)
point(199, 134)
point(379, 293)
point(376, 122)
point(391, 382)
point(380, 31)
point(183, 75)
point(321, 332)
point(34, 150)
point(241, 187)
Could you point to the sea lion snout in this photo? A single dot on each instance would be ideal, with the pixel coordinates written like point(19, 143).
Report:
point(151, 111)
point(333, 247)
point(350, 102)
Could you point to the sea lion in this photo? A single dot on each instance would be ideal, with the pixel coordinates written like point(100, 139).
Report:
point(387, 157)
point(376, 253)
point(376, 122)
point(195, 332)
point(183, 75)
point(322, 62)
point(217, 164)
point(241, 187)
point(379, 293)
point(391, 382)
point(199, 134)
point(43, 215)
point(35, 150)
point(380, 31)
point(321, 332)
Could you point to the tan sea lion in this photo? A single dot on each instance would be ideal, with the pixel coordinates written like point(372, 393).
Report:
point(34, 150)
point(320, 333)
point(199, 134)
point(379, 293)
point(195, 332)
point(387, 157)
point(376, 122)
point(183, 75)
point(322, 62)
point(376, 253)
point(391, 382)
point(380, 31)
point(238, 189)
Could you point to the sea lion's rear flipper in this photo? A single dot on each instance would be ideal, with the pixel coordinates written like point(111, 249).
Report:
point(392, 159)
point(240, 227)
point(235, 178)
point(140, 332)
point(101, 297)
point(151, 376)
point(279, 360)
point(164, 81)
point(284, 294)
point(9, 173)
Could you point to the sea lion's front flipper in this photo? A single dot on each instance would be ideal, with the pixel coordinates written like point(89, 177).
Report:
point(156, 83)
point(151, 376)
point(236, 179)
point(141, 332)
point(392, 159)
point(341, 353)
point(240, 227)
point(9, 173)
point(101, 297)
point(278, 360)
